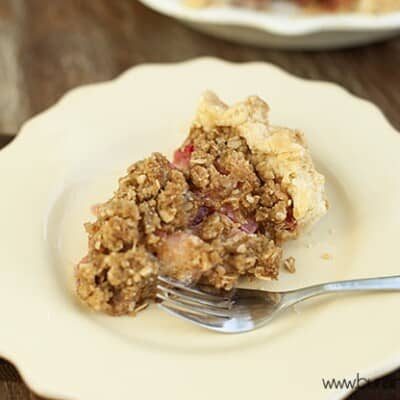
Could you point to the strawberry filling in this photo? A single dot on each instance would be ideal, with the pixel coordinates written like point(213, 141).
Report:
point(182, 157)
point(202, 213)
point(95, 208)
point(290, 222)
point(250, 226)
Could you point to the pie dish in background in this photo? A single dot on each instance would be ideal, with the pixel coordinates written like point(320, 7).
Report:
point(70, 157)
point(284, 26)
point(324, 6)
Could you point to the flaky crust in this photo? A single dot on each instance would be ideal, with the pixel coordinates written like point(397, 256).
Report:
point(282, 151)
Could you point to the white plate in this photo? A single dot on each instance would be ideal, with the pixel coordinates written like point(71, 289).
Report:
point(283, 26)
point(69, 158)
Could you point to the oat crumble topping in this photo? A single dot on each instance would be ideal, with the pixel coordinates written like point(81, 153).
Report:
point(236, 189)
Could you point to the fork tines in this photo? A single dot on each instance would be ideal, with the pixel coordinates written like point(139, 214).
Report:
point(179, 298)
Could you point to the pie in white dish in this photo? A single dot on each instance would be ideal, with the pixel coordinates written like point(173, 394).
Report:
point(363, 6)
point(285, 25)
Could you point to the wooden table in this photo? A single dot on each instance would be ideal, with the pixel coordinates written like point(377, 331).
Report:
point(48, 47)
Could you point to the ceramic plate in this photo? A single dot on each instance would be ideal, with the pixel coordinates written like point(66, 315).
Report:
point(69, 158)
point(283, 26)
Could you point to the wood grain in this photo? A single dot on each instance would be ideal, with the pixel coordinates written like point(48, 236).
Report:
point(48, 47)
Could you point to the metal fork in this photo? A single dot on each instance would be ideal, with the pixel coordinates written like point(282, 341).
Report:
point(242, 310)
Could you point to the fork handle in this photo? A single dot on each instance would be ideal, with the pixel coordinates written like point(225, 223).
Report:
point(389, 283)
point(386, 284)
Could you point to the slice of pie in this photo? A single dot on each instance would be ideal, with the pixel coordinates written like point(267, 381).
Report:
point(236, 189)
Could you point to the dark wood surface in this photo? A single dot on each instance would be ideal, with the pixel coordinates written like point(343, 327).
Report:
point(48, 47)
